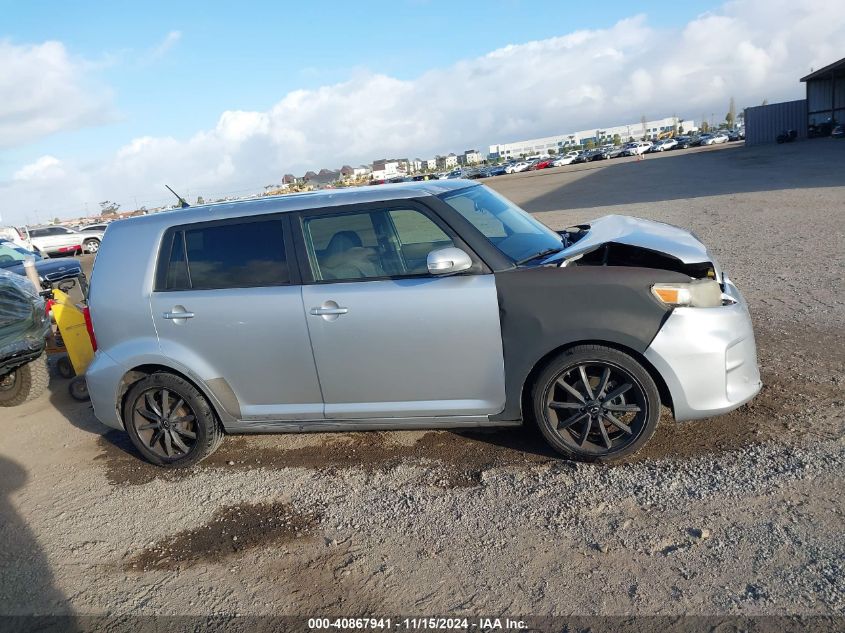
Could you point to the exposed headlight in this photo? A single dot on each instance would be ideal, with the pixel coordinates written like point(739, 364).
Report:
point(701, 293)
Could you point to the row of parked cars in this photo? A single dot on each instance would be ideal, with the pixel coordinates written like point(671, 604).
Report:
point(55, 240)
point(633, 148)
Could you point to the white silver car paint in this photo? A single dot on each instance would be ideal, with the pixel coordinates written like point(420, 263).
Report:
point(372, 373)
point(408, 347)
point(708, 358)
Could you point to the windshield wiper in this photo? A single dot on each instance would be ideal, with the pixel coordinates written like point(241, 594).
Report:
point(542, 253)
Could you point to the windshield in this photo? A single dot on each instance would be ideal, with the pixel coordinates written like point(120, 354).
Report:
point(509, 228)
point(11, 254)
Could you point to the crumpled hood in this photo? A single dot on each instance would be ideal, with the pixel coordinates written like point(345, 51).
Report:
point(654, 236)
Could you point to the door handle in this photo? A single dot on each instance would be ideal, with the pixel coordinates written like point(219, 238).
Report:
point(178, 315)
point(328, 311)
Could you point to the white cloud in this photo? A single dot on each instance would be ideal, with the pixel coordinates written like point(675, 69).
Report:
point(170, 40)
point(749, 49)
point(44, 168)
point(44, 90)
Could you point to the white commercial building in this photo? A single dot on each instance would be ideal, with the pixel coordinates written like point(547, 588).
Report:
point(388, 168)
point(470, 157)
point(598, 136)
point(447, 162)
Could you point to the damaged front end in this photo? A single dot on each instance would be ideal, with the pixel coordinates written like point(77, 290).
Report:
point(616, 240)
point(705, 350)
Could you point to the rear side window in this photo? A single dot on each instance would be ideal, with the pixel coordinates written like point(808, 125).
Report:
point(229, 255)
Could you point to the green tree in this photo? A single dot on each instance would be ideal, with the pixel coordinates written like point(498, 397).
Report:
point(730, 117)
point(552, 151)
point(56, 220)
point(589, 144)
point(643, 121)
point(200, 200)
point(107, 207)
point(617, 140)
point(705, 126)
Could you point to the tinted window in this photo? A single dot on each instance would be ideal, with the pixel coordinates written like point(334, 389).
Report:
point(231, 255)
point(177, 269)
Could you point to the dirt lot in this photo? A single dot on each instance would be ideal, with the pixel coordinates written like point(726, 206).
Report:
point(737, 515)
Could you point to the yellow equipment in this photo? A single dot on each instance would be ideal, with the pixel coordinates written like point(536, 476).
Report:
point(76, 339)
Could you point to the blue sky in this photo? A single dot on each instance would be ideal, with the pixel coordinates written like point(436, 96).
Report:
point(233, 55)
point(149, 83)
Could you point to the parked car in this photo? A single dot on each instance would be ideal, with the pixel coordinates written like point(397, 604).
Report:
point(733, 135)
point(544, 163)
point(94, 228)
point(683, 142)
point(566, 159)
point(663, 145)
point(418, 305)
point(714, 139)
point(607, 152)
point(12, 234)
point(23, 326)
point(636, 148)
point(61, 240)
point(496, 170)
point(517, 167)
point(49, 271)
point(475, 173)
point(838, 131)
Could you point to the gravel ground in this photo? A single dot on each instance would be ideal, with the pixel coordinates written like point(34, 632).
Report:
point(742, 514)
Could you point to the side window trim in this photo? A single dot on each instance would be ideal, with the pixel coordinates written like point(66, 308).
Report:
point(166, 246)
point(297, 221)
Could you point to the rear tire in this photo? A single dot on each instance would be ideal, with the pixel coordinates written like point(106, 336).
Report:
point(24, 383)
point(91, 246)
point(170, 422)
point(609, 418)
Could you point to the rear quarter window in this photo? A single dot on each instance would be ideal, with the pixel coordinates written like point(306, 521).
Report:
point(224, 255)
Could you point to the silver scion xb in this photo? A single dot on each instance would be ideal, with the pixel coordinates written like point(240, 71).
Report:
point(421, 305)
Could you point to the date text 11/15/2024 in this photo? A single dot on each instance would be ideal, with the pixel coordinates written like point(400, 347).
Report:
point(418, 624)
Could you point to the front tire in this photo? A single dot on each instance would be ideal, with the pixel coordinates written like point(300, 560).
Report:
point(24, 383)
point(91, 246)
point(170, 422)
point(595, 404)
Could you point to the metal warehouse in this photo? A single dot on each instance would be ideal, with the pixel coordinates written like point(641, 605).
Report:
point(826, 94)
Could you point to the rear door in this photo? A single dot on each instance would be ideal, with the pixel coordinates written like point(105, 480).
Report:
point(228, 306)
point(389, 339)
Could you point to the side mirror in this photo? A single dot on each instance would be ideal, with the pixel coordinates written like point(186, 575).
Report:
point(447, 261)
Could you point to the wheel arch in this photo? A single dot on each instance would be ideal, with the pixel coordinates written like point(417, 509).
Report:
point(142, 371)
point(542, 363)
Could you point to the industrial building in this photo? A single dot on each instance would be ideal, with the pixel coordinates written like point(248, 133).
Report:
point(598, 136)
point(826, 94)
point(814, 116)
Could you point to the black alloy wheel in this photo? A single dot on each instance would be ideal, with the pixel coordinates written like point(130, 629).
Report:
point(594, 403)
point(169, 421)
point(164, 422)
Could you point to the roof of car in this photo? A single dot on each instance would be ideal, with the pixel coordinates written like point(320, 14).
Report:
point(304, 201)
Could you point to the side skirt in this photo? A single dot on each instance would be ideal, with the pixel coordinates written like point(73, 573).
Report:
point(382, 424)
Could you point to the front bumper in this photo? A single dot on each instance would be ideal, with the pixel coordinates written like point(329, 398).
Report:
point(708, 358)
